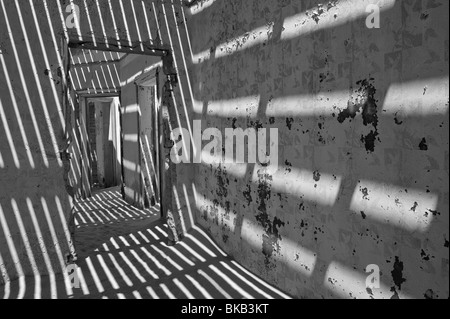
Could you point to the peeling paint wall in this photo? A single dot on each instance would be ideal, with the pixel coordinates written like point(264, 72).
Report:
point(363, 127)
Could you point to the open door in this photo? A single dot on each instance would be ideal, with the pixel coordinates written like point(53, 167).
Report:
point(148, 99)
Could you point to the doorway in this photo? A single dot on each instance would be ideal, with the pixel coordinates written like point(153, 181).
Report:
point(103, 126)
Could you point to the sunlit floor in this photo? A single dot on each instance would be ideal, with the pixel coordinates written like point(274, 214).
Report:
point(122, 255)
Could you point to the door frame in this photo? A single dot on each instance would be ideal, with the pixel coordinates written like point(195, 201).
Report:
point(153, 74)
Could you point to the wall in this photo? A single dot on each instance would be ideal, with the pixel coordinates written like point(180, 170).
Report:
point(362, 116)
point(34, 193)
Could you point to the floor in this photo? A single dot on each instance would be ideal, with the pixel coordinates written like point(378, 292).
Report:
point(122, 255)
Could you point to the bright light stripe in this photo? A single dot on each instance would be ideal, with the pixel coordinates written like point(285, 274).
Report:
point(156, 261)
point(131, 138)
point(167, 291)
point(90, 22)
point(61, 16)
point(131, 166)
point(77, 19)
point(144, 264)
point(164, 256)
point(80, 216)
point(199, 7)
point(56, 246)
point(157, 23)
point(104, 211)
point(43, 247)
point(13, 252)
point(214, 284)
point(121, 296)
point(124, 241)
point(188, 204)
point(407, 98)
point(344, 281)
point(137, 295)
point(113, 241)
point(143, 237)
point(187, 34)
point(83, 284)
point(8, 136)
point(301, 184)
point(137, 23)
point(152, 293)
point(131, 266)
point(188, 79)
point(199, 287)
point(2, 163)
point(125, 22)
point(348, 11)
point(64, 224)
point(193, 252)
point(240, 43)
point(102, 23)
point(6, 280)
point(144, 10)
point(261, 282)
point(147, 169)
point(134, 77)
point(16, 108)
point(134, 239)
point(48, 67)
point(179, 209)
point(152, 234)
point(179, 254)
point(94, 211)
point(94, 275)
point(249, 283)
point(29, 251)
point(108, 273)
point(38, 86)
point(86, 213)
point(105, 247)
point(310, 105)
point(116, 30)
point(233, 285)
point(381, 205)
point(183, 288)
point(183, 100)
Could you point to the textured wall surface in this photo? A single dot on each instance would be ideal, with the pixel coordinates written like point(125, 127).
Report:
point(363, 127)
point(34, 201)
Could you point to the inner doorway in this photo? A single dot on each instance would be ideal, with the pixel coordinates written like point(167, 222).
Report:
point(103, 128)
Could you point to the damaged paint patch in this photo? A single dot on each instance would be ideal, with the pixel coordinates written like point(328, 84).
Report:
point(272, 236)
point(397, 273)
point(289, 122)
point(321, 9)
point(423, 145)
point(363, 101)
